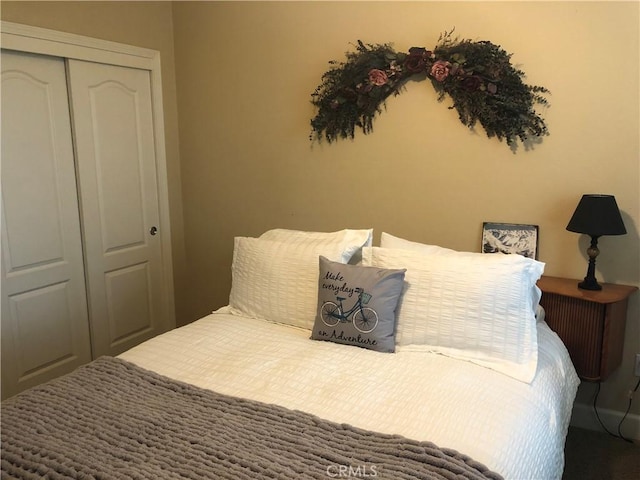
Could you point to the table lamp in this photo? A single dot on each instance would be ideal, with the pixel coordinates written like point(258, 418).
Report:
point(596, 215)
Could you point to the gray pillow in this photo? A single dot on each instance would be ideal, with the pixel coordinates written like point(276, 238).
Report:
point(357, 305)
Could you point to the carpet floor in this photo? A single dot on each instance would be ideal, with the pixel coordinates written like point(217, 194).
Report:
point(591, 455)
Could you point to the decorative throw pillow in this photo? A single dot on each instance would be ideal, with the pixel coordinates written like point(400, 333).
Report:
point(472, 306)
point(278, 281)
point(350, 241)
point(357, 305)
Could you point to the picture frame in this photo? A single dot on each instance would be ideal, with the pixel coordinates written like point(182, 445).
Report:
point(510, 238)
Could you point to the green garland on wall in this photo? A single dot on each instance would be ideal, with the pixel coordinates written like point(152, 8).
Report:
point(476, 75)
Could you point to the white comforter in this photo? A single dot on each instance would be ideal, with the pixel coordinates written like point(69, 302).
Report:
point(514, 428)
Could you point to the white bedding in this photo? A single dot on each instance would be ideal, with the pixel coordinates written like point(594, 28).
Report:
point(516, 429)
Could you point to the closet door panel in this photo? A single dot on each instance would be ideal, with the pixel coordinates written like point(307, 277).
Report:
point(118, 164)
point(45, 330)
point(117, 171)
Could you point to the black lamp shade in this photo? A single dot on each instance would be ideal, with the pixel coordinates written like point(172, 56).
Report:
point(597, 215)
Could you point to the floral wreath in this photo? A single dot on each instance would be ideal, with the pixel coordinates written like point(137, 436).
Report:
point(478, 76)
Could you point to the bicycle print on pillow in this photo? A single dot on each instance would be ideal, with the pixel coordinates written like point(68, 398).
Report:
point(365, 319)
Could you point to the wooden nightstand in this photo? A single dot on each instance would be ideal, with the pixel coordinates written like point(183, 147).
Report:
point(590, 323)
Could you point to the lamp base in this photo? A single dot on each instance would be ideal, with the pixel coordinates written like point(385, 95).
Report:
point(590, 284)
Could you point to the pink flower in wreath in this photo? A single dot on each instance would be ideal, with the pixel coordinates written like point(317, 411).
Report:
point(378, 77)
point(440, 70)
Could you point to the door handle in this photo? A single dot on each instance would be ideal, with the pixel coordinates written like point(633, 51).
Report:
point(153, 230)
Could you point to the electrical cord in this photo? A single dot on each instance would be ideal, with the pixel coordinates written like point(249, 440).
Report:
point(595, 409)
point(628, 408)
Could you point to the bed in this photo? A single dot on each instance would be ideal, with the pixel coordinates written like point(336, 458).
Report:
point(258, 389)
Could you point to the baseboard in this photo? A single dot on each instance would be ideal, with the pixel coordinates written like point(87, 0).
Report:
point(583, 416)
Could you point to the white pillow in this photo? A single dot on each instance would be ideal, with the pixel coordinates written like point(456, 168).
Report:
point(389, 241)
point(351, 241)
point(472, 306)
point(278, 281)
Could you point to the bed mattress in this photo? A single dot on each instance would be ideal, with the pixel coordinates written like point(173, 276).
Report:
point(514, 428)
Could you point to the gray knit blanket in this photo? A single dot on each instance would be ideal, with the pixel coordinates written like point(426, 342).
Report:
point(113, 420)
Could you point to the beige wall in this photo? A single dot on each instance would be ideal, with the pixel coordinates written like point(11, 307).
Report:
point(245, 71)
point(143, 24)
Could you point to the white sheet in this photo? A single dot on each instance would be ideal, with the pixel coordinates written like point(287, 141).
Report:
point(514, 428)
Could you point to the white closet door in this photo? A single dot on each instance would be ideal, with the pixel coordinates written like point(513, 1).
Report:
point(113, 129)
point(45, 331)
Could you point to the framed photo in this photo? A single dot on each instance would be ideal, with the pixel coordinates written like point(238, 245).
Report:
point(510, 238)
